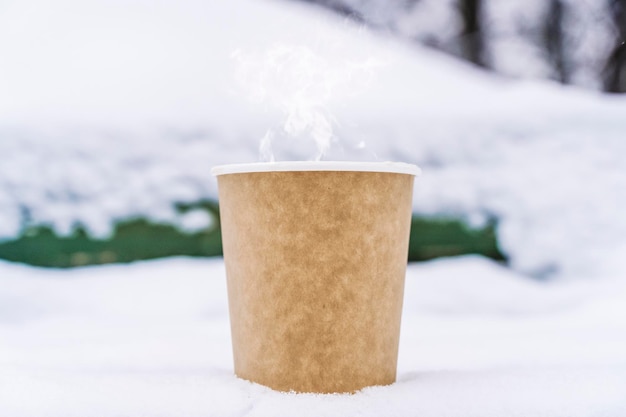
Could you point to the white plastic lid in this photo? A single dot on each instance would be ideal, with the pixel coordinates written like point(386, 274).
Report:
point(391, 167)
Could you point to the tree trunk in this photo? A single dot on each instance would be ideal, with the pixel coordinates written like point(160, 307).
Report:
point(615, 71)
point(554, 40)
point(472, 43)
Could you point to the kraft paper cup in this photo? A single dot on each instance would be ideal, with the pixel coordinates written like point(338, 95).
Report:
point(315, 256)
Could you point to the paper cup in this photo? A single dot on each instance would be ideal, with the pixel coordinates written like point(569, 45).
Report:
point(315, 257)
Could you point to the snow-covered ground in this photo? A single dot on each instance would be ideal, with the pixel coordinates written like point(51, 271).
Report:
point(153, 339)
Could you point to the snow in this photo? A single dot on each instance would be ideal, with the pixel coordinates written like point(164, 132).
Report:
point(516, 44)
point(152, 339)
point(590, 36)
point(515, 30)
point(197, 220)
point(113, 110)
point(516, 35)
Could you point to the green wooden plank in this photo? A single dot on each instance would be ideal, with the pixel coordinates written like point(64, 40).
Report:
point(437, 237)
point(140, 239)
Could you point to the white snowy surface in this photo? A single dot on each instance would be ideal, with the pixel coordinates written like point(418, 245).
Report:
point(153, 339)
point(115, 109)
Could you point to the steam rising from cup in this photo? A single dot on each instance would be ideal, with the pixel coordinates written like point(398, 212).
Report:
point(301, 83)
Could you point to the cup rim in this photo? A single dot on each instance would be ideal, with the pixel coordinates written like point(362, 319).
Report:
point(352, 166)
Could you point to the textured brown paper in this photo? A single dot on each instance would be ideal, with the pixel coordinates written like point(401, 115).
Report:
point(315, 263)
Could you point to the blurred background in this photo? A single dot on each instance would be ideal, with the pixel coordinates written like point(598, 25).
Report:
point(113, 112)
point(574, 42)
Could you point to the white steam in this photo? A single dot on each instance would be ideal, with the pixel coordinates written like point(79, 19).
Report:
point(301, 83)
